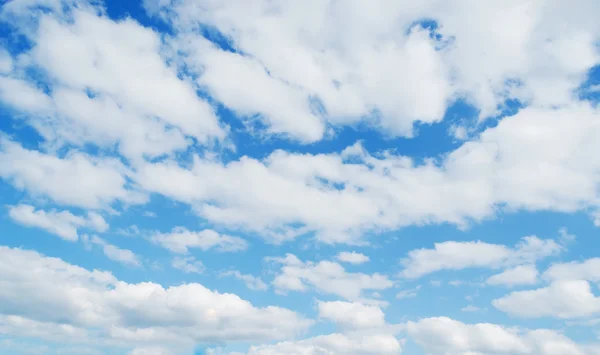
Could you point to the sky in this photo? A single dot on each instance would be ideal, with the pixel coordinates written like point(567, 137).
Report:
point(319, 177)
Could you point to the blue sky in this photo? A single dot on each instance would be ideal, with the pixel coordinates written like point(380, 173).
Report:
point(311, 177)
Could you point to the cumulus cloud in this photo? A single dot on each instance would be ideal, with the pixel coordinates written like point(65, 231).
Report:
point(443, 335)
point(380, 344)
point(124, 256)
point(120, 313)
point(188, 264)
point(252, 282)
point(113, 82)
point(576, 270)
point(77, 179)
point(561, 299)
point(461, 255)
point(352, 257)
point(519, 275)
point(327, 277)
point(180, 240)
point(408, 293)
point(392, 67)
point(351, 314)
point(62, 223)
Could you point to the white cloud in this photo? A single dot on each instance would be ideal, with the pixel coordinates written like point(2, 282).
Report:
point(6, 62)
point(77, 179)
point(576, 270)
point(120, 64)
point(285, 109)
point(118, 313)
point(519, 275)
point(409, 293)
point(251, 281)
point(352, 257)
point(333, 344)
point(150, 350)
point(561, 299)
point(135, 74)
point(124, 256)
point(470, 308)
point(22, 95)
point(351, 315)
point(131, 231)
point(16, 325)
point(180, 240)
point(350, 84)
point(506, 167)
point(461, 255)
point(355, 65)
point(62, 223)
point(343, 196)
point(188, 264)
point(326, 277)
point(441, 336)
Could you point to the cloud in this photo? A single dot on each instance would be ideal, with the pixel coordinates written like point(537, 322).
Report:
point(252, 282)
point(130, 82)
point(188, 264)
point(64, 224)
point(519, 275)
point(561, 299)
point(118, 313)
point(576, 270)
point(461, 255)
point(77, 179)
point(343, 196)
point(470, 308)
point(150, 350)
point(352, 257)
point(327, 277)
point(409, 293)
point(336, 343)
point(443, 335)
point(6, 62)
point(392, 67)
point(124, 256)
point(180, 240)
point(349, 85)
point(351, 315)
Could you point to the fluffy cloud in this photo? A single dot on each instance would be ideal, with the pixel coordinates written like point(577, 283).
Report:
point(180, 240)
point(113, 82)
point(126, 313)
point(251, 281)
point(327, 277)
point(76, 179)
point(352, 257)
point(333, 344)
point(576, 270)
point(520, 275)
point(389, 67)
point(562, 299)
point(348, 84)
point(341, 196)
point(409, 293)
point(64, 224)
point(188, 264)
point(352, 314)
point(6, 62)
point(440, 336)
point(124, 256)
point(461, 255)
